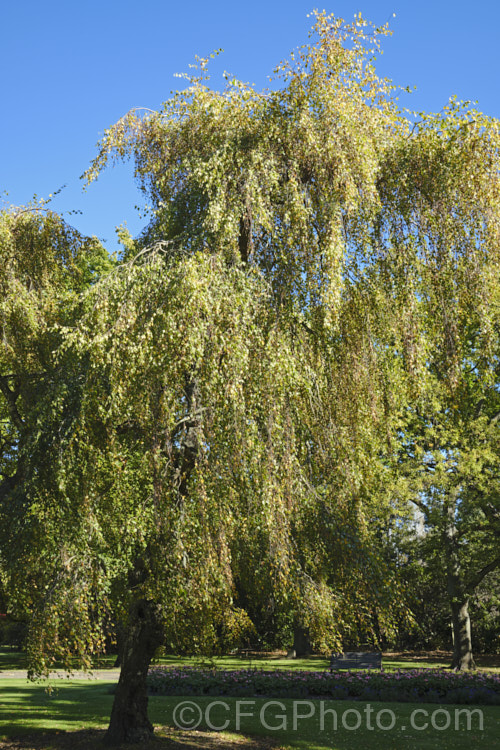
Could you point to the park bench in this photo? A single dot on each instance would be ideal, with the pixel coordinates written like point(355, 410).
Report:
point(356, 660)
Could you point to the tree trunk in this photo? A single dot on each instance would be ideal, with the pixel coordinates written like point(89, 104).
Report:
point(462, 642)
point(129, 716)
point(457, 589)
point(301, 642)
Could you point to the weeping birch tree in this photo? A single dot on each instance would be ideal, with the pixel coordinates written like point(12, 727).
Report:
point(227, 413)
point(261, 419)
point(223, 442)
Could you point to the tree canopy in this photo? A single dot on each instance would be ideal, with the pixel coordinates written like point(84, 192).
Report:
point(223, 427)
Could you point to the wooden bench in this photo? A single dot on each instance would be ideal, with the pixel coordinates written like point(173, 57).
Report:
point(356, 660)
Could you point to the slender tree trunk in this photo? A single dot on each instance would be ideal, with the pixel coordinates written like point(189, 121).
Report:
point(457, 591)
point(462, 642)
point(301, 642)
point(129, 716)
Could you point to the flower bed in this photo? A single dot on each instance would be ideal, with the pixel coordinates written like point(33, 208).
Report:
point(414, 686)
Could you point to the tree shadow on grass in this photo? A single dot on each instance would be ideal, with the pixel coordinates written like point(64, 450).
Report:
point(27, 708)
point(166, 738)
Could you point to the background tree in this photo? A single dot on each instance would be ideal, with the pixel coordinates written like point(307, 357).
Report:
point(485, 614)
point(44, 266)
point(438, 240)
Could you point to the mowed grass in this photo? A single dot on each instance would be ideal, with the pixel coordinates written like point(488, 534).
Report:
point(56, 705)
point(13, 660)
point(73, 705)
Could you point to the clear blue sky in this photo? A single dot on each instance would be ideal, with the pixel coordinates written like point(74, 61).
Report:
point(71, 69)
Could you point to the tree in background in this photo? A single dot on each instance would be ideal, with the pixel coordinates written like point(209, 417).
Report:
point(485, 614)
point(44, 266)
point(439, 245)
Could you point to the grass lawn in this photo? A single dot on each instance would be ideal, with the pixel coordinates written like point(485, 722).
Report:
point(81, 708)
point(12, 660)
point(82, 705)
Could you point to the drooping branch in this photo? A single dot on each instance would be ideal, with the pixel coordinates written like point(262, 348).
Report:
point(11, 401)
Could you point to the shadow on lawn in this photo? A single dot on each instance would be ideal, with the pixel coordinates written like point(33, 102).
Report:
point(11, 658)
point(165, 739)
point(27, 708)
